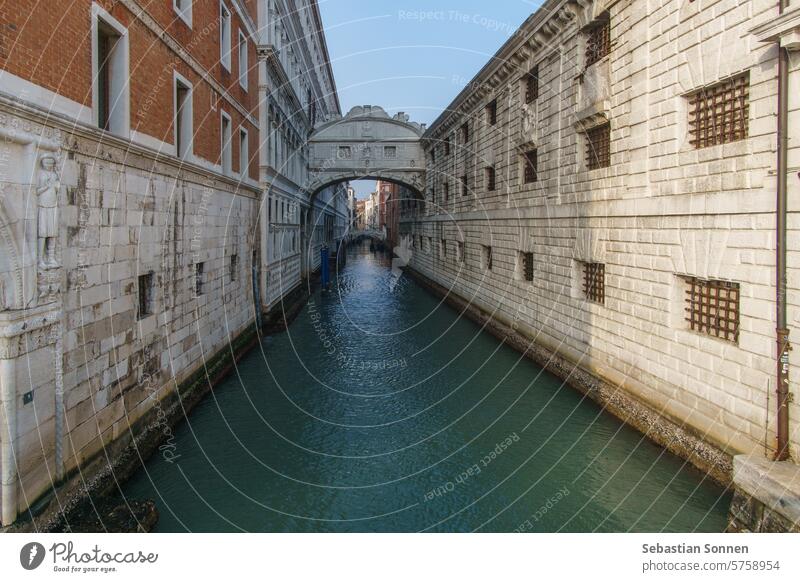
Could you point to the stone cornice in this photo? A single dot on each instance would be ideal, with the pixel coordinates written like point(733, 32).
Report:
point(74, 128)
point(783, 28)
point(534, 36)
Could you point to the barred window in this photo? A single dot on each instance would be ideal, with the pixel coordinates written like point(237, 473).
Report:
point(598, 147)
point(145, 291)
point(720, 113)
point(712, 307)
point(446, 191)
point(594, 282)
point(526, 266)
point(529, 161)
point(344, 153)
point(491, 178)
point(390, 152)
point(460, 252)
point(532, 85)
point(465, 133)
point(598, 42)
point(464, 186)
point(491, 113)
point(487, 257)
point(198, 278)
point(234, 267)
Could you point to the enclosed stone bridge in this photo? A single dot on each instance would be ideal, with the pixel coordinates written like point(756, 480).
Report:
point(367, 143)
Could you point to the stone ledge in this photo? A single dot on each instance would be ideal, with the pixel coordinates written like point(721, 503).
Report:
point(776, 485)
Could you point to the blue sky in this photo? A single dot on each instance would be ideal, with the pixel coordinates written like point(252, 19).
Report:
point(415, 55)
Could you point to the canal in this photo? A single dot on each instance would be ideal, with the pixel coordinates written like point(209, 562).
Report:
point(380, 409)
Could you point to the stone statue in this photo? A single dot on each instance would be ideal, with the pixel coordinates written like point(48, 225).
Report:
point(47, 187)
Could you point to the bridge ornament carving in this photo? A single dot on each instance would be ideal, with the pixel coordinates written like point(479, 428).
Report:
point(367, 143)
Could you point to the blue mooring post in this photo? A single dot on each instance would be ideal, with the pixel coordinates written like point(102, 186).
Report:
point(325, 271)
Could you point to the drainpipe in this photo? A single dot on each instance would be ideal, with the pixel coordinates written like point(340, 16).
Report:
point(8, 473)
point(782, 390)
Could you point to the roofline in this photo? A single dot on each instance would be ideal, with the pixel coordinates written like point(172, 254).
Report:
point(324, 44)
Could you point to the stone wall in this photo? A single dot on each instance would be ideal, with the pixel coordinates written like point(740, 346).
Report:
point(81, 359)
point(662, 210)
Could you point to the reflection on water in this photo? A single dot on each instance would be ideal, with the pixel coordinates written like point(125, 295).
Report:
point(380, 409)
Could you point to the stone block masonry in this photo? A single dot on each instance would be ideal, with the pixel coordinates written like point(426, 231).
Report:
point(585, 155)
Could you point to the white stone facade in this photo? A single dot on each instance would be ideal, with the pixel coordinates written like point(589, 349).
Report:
point(661, 210)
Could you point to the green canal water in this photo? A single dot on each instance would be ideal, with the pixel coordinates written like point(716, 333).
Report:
point(382, 409)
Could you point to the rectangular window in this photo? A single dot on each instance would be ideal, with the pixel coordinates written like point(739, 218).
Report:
point(344, 153)
point(224, 36)
point(465, 133)
point(243, 67)
point(487, 257)
point(594, 282)
point(460, 252)
point(183, 119)
point(598, 42)
point(712, 307)
point(525, 266)
point(183, 9)
point(598, 147)
point(532, 85)
point(529, 162)
point(390, 152)
point(198, 278)
point(234, 267)
point(720, 113)
point(110, 91)
point(464, 186)
point(244, 153)
point(433, 155)
point(145, 290)
point(443, 248)
point(491, 179)
point(447, 145)
point(225, 146)
point(491, 113)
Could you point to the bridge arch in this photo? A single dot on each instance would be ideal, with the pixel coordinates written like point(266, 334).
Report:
point(367, 143)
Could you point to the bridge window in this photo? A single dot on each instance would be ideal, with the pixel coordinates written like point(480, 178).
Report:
point(464, 185)
point(491, 113)
point(720, 113)
point(145, 292)
point(344, 153)
point(594, 282)
point(529, 164)
point(525, 266)
point(491, 179)
point(598, 42)
point(598, 147)
point(389, 152)
point(531, 85)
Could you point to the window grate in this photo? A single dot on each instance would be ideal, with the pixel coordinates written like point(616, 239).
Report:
point(598, 147)
point(527, 266)
point(530, 160)
point(532, 85)
point(712, 308)
point(491, 113)
point(720, 113)
point(491, 179)
point(198, 278)
point(598, 42)
point(594, 282)
point(145, 295)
